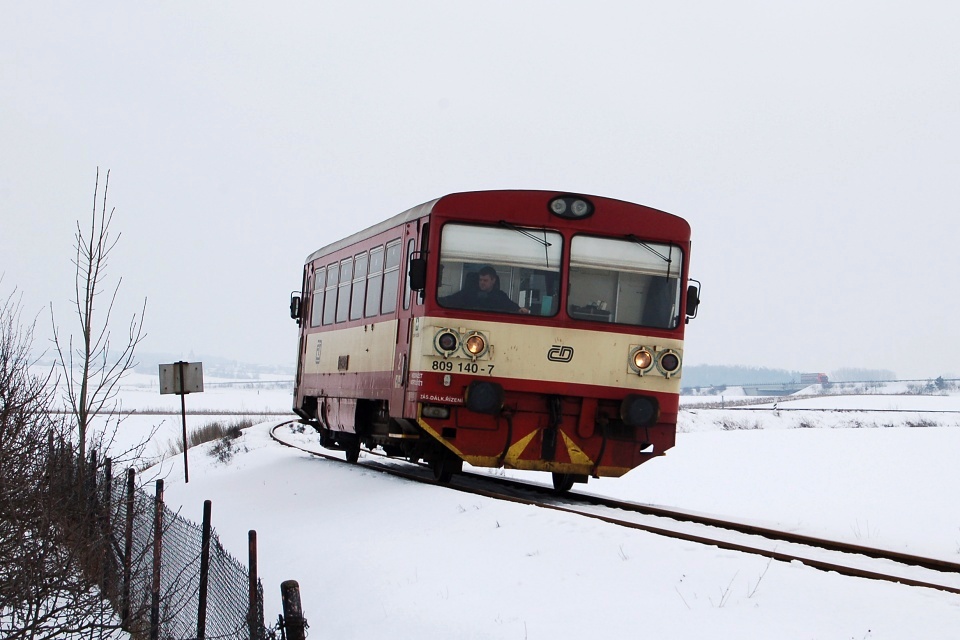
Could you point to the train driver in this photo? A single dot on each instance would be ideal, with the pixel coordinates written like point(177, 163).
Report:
point(486, 296)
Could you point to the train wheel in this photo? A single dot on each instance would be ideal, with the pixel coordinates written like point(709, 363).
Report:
point(353, 452)
point(393, 451)
point(444, 467)
point(326, 441)
point(563, 482)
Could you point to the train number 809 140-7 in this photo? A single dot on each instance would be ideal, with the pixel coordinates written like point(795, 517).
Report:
point(461, 367)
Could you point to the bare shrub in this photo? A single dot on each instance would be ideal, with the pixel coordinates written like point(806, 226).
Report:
point(740, 425)
point(224, 449)
point(209, 432)
point(50, 552)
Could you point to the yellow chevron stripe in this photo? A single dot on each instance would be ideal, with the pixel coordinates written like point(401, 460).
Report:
point(577, 456)
point(517, 448)
point(429, 429)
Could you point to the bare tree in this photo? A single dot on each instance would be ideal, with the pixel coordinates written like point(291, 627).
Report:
point(45, 557)
point(91, 370)
point(60, 549)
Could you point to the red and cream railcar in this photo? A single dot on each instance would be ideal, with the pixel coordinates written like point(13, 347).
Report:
point(522, 329)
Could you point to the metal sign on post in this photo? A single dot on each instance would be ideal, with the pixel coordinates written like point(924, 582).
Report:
point(182, 378)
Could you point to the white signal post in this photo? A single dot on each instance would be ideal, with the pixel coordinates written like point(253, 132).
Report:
point(182, 378)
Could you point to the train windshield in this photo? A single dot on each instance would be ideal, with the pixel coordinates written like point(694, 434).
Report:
point(506, 269)
point(626, 281)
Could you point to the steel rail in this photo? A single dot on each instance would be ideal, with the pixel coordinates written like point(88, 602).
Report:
point(574, 503)
point(742, 527)
point(775, 409)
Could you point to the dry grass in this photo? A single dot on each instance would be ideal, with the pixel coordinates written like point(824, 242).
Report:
point(215, 430)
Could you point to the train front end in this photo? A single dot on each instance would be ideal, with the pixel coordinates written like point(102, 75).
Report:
point(570, 362)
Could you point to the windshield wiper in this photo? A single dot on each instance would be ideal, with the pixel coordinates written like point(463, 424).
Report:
point(542, 241)
point(513, 227)
point(667, 259)
point(643, 244)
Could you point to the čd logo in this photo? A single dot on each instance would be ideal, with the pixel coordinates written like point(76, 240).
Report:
point(559, 353)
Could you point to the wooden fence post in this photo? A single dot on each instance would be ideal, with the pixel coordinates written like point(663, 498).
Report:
point(294, 623)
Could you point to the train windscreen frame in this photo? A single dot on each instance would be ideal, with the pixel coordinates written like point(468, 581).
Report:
point(526, 261)
point(625, 281)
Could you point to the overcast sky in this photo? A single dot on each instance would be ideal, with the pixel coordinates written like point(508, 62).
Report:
point(814, 147)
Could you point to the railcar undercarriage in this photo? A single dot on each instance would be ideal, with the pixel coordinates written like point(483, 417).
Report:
point(373, 427)
point(570, 437)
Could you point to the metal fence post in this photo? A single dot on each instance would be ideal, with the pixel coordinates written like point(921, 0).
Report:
point(294, 623)
point(106, 522)
point(127, 553)
point(253, 607)
point(90, 496)
point(204, 569)
point(157, 548)
point(183, 414)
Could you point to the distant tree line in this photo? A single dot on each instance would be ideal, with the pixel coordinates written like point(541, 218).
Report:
point(214, 366)
point(709, 375)
point(862, 375)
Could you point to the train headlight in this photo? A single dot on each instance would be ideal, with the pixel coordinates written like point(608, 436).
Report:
point(574, 207)
point(641, 360)
point(438, 411)
point(447, 341)
point(668, 362)
point(558, 206)
point(484, 397)
point(639, 411)
point(475, 345)
point(580, 208)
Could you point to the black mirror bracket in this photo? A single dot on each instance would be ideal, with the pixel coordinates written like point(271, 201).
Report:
point(693, 300)
point(418, 271)
point(295, 306)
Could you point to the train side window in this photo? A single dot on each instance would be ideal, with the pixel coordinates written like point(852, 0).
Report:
point(330, 300)
point(391, 277)
point(343, 289)
point(359, 286)
point(374, 282)
point(316, 311)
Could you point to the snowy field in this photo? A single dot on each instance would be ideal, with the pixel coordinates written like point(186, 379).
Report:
point(380, 557)
point(155, 418)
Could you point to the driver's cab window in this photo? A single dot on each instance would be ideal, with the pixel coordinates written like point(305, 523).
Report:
point(625, 281)
point(499, 269)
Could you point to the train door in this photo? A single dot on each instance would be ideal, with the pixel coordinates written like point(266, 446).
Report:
point(405, 315)
point(303, 321)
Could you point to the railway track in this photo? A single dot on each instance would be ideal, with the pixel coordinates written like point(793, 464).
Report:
point(826, 555)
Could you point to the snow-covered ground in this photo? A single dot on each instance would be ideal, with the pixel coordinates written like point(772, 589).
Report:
point(145, 411)
point(379, 557)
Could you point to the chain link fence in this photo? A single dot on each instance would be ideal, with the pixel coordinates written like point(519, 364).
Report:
point(153, 569)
